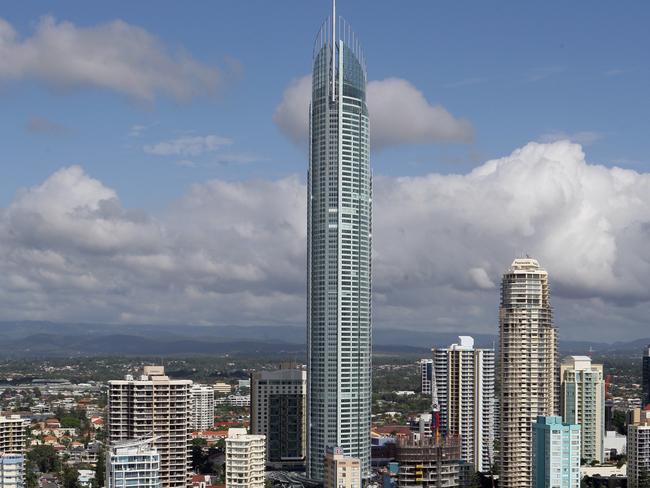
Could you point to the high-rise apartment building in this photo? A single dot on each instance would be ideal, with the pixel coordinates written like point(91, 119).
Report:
point(278, 411)
point(465, 387)
point(426, 375)
point(582, 401)
point(638, 448)
point(341, 471)
point(12, 434)
point(339, 251)
point(556, 453)
point(244, 459)
point(202, 407)
point(132, 464)
point(12, 470)
point(12, 451)
point(528, 366)
point(153, 405)
point(646, 376)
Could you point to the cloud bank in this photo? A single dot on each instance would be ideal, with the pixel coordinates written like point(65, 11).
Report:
point(400, 114)
point(234, 252)
point(116, 56)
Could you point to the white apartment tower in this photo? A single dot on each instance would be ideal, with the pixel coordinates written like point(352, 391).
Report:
point(339, 238)
point(12, 451)
point(202, 407)
point(528, 366)
point(582, 401)
point(245, 463)
point(465, 385)
point(638, 448)
point(133, 464)
point(278, 411)
point(154, 406)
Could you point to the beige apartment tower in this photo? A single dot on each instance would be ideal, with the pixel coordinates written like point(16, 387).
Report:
point(245, 459)
point(582, 401)
point(638, 447)
point(341, 471)
point(153, 405)
point(528, 366)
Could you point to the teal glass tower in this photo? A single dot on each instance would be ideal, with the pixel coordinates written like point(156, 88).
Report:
point(556, 453)
point(338, 251)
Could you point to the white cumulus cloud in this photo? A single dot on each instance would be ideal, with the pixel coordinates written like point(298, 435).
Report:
point(234, 252)
point(399, 114)
point(116, 56)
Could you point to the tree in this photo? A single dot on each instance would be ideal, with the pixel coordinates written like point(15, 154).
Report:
point(198, 458)
point(100, 469)
point(44, 458)
point(30, 475)
point(619, 422)
point(70, 477)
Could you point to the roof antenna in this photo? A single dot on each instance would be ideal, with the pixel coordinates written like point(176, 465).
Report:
point(333, 50)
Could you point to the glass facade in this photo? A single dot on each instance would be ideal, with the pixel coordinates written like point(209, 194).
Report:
point(339, 252)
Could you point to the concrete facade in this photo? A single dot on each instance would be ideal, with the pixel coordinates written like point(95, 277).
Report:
point(202, 407)
point(528, 366)
point(465, 386)
point(154, 406)
point(278, 411)
point(245, 459)
point(582, 401)
point(132, 464)
point(341, 471)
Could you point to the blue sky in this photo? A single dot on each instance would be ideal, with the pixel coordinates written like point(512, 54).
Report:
point(515, 70)
point(145, 164)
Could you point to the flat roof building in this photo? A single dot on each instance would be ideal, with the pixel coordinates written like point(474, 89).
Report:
point(133, 464)
point(154, 406)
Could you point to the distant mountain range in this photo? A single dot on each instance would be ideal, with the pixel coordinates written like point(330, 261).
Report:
point(48, 339)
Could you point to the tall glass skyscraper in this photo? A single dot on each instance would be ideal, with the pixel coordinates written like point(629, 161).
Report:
point(339, 248)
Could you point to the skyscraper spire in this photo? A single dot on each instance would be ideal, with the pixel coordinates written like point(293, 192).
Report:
point(334, 42)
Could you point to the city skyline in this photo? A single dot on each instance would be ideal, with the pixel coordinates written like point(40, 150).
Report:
point(178, 181)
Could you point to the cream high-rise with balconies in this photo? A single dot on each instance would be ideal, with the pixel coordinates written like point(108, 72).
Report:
point(12, 451)
point(528, 366)
point(154, 406)
point(245, 459)
point(582, 401)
